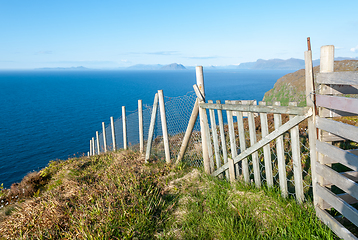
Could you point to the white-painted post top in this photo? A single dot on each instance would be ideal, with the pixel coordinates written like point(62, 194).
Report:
point(327, 59)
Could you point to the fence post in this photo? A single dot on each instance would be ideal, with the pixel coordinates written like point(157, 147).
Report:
point(280, 155)
point(215, 136)
point(255, 157)
point(90, 150)
point(124, 122)
point(164, 125)
point(104, 137)
point(93, 147)
point(113, 135)
point(311, 126)
point(189, 130)
point(222, 137)
point(296, 159)
point(97, 141)
point(203, 118)
point(151, 128)
point(230, 124)
point(266, 148)
point(245, 162)
point(140, 120)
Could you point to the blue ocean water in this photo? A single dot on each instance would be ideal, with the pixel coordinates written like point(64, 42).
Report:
point(48, 115)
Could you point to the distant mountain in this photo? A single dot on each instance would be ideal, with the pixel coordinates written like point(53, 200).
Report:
point(173, 66)
point(145, 67)
point(79, 68)
point(274, 64)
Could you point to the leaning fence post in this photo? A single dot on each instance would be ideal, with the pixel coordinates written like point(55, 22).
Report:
point(97, 141)
point(164, 125)
point(124, 122)
point(151, 128)
point(113, 135)
point(202, 115)
point(104, 137)
point(280, 155)
point(189, 130)
point(140, 123)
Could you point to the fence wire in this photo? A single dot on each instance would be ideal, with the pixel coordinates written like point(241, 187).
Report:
point(178, 112)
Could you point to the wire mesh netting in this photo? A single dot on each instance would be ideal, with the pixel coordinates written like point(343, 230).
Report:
point(178, 111)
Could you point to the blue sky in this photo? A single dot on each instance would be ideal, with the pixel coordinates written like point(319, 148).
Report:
point(110, 34)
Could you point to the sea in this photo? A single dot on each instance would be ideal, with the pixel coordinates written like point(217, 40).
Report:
point(51, 114)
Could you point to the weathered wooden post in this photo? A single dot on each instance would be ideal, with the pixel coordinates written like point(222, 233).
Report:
point(280, 155)
point(90, 150)
point(266, 148)
point(93, 147)
point(203, 119)
point(230, 124)
point(113, 135)
point(97, 141)
point(164, 125)
point(151, 128)
point(140, 123)
point(124, 122)
point(222, 137)
point(104, 137)
point(296, 159)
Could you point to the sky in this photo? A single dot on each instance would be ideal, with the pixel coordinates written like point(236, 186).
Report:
point(116, 33)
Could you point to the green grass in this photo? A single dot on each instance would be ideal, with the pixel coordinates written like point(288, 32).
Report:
point(117, 196)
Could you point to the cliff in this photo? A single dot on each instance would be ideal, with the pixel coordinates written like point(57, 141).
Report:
point(291, 87)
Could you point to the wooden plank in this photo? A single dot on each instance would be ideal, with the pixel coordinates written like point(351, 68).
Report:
point(163, 119)
point(330, 113)
point(341, 206)
point(140, 124)
point(341, 129)
point(104, 137)
point(97, 141)
point(245, 163)
point(208, 142)
point(346, 184)
point(255, 157)
point(329, 137)
point(124, 123)
point(233, 148)
point(296, 160)
point(264, 141)
point(90, 151)
point(245, 102)
point(266, 148)
point(339, 103)
point(93, 147)
point(215, 136)
point(151, 128)
point(352, 175)
point(334, 225)
point(222, 137)
point(189, 130)
point(341, 78)
point(338, 89)
point(257, 108)
point(334, 154)
point(347, 198)
point(280, 155)
point(113, 135)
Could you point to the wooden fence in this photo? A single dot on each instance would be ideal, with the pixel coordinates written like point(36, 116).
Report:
point(334, 167)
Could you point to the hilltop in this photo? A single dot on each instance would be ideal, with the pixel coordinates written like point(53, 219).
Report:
point(291, 87)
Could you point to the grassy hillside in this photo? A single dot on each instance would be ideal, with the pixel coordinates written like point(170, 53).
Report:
point(117, 196)
point(291, 87)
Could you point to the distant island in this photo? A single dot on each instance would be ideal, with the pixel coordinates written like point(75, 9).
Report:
point(173, 66)
point(79, 68)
